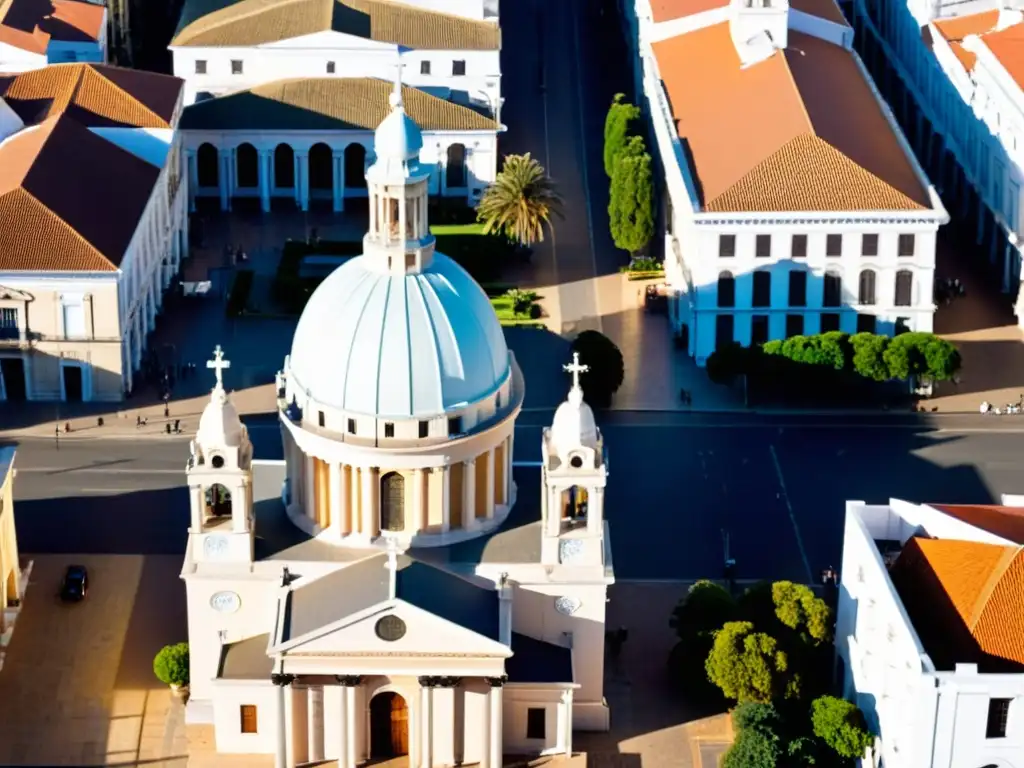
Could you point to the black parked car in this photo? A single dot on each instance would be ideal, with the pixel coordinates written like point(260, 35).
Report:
point(75, 584)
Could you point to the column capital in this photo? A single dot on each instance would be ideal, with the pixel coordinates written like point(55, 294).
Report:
point(430, 681)
point(449, 682)
point(496, 682)
point(281, 679)
point(349, 681)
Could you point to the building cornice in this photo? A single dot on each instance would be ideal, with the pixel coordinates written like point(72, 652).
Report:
point(930, 218)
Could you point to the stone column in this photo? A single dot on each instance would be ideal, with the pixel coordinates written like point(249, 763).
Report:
point(338, 179)
point(354, 499)
point(595, 511)
point(302, 179)
point(192, 179)
point(266, 170)
point(225, 177)
point(567, 721)
point(309, 492)
point(426, 721)
point(339, 520)
point(347, 755)
point(371, 518)
point(444, 735)
point(446, 498)
point(554, 521)
point(283, 699)
point(509, 450)
point(469, 494)
point(420, 501)
point(490, 484)
point(315, 723)
point(492, 755)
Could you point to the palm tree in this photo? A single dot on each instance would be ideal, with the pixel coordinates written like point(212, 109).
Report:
point(520, 202)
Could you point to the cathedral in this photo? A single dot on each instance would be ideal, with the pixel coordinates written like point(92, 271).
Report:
point(387, 589)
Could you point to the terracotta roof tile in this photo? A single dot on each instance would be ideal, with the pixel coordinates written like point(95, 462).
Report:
point(1007, 45)
point(954, 30)
point(328, 103)
point(742, 127)
point(966, 600)
point(31, 24)
point(1007, 522)
point(669, 10)
point(253, 22)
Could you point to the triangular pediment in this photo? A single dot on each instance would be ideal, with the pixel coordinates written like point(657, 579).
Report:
point(393, 628)
point(14, 294)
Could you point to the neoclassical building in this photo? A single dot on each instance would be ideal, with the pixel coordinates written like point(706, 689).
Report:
point(387, 589)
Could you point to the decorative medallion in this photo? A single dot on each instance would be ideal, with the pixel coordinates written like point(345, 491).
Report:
point(567, 605)
point(215, 546)
point(390, 629)
point(226, 602)
point(569, 550)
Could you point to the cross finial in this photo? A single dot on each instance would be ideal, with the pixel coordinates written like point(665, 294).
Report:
point(218, 364)
point(576, 369)
point(392, 565)
point(396, 96)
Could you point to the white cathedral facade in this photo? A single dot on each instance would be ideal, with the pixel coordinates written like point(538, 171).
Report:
point(387, 589)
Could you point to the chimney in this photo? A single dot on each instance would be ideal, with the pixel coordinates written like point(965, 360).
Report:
point(758, 28)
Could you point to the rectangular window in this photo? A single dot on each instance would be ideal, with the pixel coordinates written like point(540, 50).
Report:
point(455, 425)
point(236, 66)
point(906, 245)
point(351, 426)
point(833, 290)
point(762, 289)
point(200, 67)
point(834, 246)
point(763, 246)
point(73, 314)
point(726, 246)
point(331, 68)
point(865, 323)
point(798, 288)
point(869, 245)
point(458, 68)
point(829, 322)
point(389, 429)
point(8, 323)
point(799, 248)
point(758, 329)
point(247, 713)
point(794, 326)
point(998, 715)
point(536, 723)
point(424, 67)
point(724, 331)
point(321, 420)
point(424, 428)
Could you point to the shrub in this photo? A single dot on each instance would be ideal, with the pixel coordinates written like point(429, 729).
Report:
point(171, 664)
point(749, 665)
point(753, 749)
point(617, 123)
point(240, 290)
point(607, 368)
point(841, 726)
point(631, 198)
point(869, 356)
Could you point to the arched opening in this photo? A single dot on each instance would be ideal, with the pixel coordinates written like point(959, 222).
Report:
point(389, 726)
point(392, 502)
point(904, 288)
point(11, 587)
point(284, 166)
point(455, 167)
point(574, 503)
point(355, 166)
point(218, 501)
point(206, 166)
point(866, 289)
point(247, 162)
point(321, 174)
point(726, 290)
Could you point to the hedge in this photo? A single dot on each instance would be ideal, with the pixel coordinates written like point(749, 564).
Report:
point(240, 290)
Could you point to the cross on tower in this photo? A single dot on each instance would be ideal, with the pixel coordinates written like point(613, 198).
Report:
point(218, 364)
point(575, 369)
point(396, 97)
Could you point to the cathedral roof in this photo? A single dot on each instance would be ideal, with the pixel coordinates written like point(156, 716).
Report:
point(31, 24)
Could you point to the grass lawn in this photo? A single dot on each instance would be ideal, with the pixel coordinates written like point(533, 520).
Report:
point(474, 228)
point(506, 316)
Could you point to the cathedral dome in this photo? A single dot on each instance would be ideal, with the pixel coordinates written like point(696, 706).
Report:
point(220, 424)
point(406, 345)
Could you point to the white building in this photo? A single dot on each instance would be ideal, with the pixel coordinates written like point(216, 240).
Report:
point(387, 590)
point(930, 631)
point(793, 204)
point(951, 73)
point(34, 33)
point(93, 226)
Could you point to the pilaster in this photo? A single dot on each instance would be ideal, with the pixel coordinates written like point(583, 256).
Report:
point(266, 177)
point(338, 180)
point(371, 518)
point(490, 484)
point(315, 723)
point(226, 177)
point(420, 499)
point(302, 179)
point(347, 755)
point(469, 495)
point(426, 721)
point(446, 498)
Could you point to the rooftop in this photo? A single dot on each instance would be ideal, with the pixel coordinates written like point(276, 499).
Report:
point(328, 104)
point(31, 24)
point(256, 22)
point(965, 600)
point(954, 30)
point(799, 131)
point(670, 10)
point(1006, 522)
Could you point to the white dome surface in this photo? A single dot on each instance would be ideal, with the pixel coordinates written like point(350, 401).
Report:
point(573, 425)
point(397, 136)
point(219, 424)
point(408, 345)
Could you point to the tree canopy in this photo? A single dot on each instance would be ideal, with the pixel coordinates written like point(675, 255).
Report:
point(631, 198)
point(617, 125)
point(607, 368)
point(749, 665)
point(521, 202)
point(840, 724)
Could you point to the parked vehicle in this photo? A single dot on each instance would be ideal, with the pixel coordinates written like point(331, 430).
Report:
point(75, 584)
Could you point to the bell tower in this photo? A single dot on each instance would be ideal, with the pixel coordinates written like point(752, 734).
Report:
point(220, 479)
point(574, 474)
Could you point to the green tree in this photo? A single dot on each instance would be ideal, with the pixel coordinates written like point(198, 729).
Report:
point(607, 368)
point(617, 123)
point(631, 198)
point(904, 356)
point(869, 355)
point(841, 726)
point(729, 361)
point(797, 608)
point(942, 359)
point(171, 664)
point(753, 749)
point(756, 715)
point(521, 202)
point(749, 665)
point(835, 350)
point(706, 607)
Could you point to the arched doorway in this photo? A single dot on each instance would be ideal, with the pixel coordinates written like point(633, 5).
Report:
point(574, 504)
point(392, 502)
point(218, 501)
point(284, 167)
point(455, 168)
point(321, 174)
point(206, 166)
point(247, 162)
point(389, 726)
point(355, 166)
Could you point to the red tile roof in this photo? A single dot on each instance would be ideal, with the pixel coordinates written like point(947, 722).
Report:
point(1007, 522)
point(954, 31)
point(32, 24)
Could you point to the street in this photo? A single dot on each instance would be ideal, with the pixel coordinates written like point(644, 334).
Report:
point(776, 485)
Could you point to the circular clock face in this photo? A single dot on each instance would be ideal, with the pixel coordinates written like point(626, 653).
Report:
point(215, 546)
point(225, 602)
point(390, 628)
point(570, 550)
point(567, 605)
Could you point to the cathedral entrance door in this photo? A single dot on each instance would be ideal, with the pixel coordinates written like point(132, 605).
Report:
point(389, 726)
point(392, 502)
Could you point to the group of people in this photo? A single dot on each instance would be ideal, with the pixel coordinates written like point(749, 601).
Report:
point(1018, 407)
point(947, 289)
